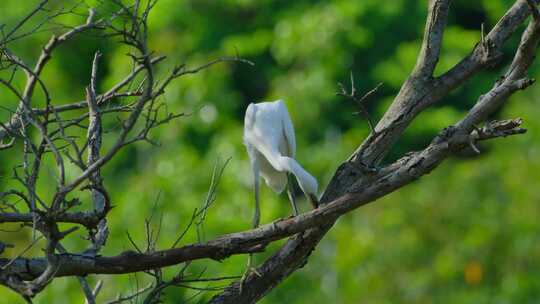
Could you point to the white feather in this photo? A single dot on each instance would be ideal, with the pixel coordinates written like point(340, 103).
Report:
point(270, 141)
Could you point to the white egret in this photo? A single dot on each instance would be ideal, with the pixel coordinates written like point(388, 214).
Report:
point(271, 146)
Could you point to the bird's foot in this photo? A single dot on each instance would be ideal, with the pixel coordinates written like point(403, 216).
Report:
point(246, 274)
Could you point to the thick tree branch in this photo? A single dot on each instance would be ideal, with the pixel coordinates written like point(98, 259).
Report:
point(513, 80)
point(417, 94)
point(433, 35)
point(413, 97)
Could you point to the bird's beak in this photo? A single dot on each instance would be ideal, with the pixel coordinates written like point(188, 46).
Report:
point(314, 201)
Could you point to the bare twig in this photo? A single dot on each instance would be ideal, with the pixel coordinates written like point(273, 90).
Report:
point(360, 101)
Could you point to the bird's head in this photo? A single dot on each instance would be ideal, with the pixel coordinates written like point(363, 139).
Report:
point(311, 188)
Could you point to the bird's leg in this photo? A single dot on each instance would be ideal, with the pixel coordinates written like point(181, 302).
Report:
point(257, 214)
point(290, 193)
point(256, 220)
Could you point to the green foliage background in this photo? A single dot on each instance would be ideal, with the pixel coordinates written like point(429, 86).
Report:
point(467, 233)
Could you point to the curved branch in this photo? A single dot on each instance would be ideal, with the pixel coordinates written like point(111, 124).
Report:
point(387, 180)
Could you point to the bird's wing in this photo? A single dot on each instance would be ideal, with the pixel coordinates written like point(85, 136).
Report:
point(288, 129)
point(275, 179)
point(258, 138)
